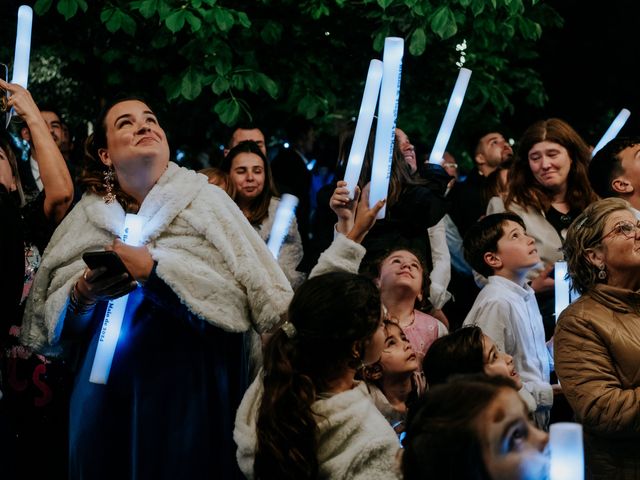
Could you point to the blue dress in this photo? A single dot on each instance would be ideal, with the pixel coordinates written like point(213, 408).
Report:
point(168, 409)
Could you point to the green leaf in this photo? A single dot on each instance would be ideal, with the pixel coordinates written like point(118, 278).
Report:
point(384, 3)
point(42, 6)
point(464, 3)
point(176, 20)
point(268, 85)
point(309, 106)
point(271, 33)
point(191, 84)
point(477, 7)
point(83, 5)
point(418, 42)
point(516, 7)
point(220, 85)
point(68, 8)
point(194, 21)
point(148, 8)
point(228, 110)
point(128, 23)
point(529, 29)
point(224, 19)
point(243, 19)
point(443, 23)
point(237, 81)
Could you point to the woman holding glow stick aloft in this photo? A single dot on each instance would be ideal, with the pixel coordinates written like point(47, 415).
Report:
point(204, 277)
point(548, 188)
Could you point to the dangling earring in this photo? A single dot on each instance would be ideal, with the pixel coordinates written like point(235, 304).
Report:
point(602, 274)
point(109, 196)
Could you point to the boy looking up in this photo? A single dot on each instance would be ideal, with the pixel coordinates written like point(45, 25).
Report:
point(499, 248)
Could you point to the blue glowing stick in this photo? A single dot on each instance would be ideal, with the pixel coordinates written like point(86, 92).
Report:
point(281, 223)
point(613, 130)
point(112, 323)
point(23, 46)
point(363, 126)
point(387, 113)
point(567, 453)
point(562, 287)
point(450, 116)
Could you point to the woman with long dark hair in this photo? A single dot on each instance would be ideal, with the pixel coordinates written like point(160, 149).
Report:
point(306, 416)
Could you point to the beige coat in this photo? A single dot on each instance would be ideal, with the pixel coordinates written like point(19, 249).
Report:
point(597, 358)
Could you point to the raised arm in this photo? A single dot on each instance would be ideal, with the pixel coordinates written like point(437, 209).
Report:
point(58, 186)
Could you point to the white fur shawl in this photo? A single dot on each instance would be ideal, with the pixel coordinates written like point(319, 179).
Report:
point(207, 253)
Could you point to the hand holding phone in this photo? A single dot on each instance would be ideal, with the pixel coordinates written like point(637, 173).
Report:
point(109, 260)
point(106, 279)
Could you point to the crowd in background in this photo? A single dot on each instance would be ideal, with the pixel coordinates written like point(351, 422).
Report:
point(426, 344)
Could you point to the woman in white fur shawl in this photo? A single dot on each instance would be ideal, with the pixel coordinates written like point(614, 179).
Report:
point(202, 277)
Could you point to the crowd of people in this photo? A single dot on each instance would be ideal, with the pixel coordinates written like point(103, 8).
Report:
point(421, 345)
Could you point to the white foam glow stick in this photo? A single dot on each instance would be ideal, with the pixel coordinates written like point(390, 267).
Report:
point(284, 216)
point(562, 287)
point(613, 130)
point(23, 46)
point(567, 454)
point(363, 126)
point(450, 116)
point(112, 323)
point(387, 113)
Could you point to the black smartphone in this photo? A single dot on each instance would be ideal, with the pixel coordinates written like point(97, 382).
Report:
point(108, 259)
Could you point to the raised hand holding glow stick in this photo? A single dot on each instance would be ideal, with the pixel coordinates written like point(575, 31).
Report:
point(281, 223)
point(567, 453)
point(23, 46)
point(363, 126)
point(450, 116)
point(387, 113)
point(613, 130)
point(114, 315)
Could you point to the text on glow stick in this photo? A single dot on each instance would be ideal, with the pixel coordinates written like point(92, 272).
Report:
point(281, 223)
point(567, 453)
point(23, 46)
point(363, 126)
point(112, 323)
point(387, 113)
point(613, 130)
point(450, 116)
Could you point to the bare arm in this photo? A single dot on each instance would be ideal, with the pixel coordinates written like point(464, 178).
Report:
point(58, 186)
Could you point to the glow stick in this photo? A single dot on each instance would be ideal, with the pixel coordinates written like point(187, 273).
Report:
point(562, 287)
point(567, 455)
point(387, 112)
point(281, 222)
point(363, 126)
point(613, 130)
point(450, 116)
point(23, 46)
point(112, 323)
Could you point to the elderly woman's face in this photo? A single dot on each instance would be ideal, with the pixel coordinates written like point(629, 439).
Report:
point(134, 139)
point(620, 241)
point(512, 448)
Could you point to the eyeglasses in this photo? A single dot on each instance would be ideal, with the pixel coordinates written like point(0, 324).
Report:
point(449, 165)
point(628, 229)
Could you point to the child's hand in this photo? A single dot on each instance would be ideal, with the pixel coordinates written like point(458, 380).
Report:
point(343, 207)
point(365, 216)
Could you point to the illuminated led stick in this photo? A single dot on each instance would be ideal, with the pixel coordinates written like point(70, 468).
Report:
point(562, 287)
point(567, 453)
point(450, 116)
point(387, 113)
point(281, 223)
point(363, 126)
point(23, 46)
point(131, 235)
point(613, 130)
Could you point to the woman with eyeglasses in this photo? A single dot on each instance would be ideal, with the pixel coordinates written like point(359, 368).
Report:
point(597, 339)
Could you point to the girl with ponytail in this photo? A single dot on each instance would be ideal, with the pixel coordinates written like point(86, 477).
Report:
point(305, 416)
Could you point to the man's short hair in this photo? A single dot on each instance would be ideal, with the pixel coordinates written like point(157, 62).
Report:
point(606, 165)
point(483, 237)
